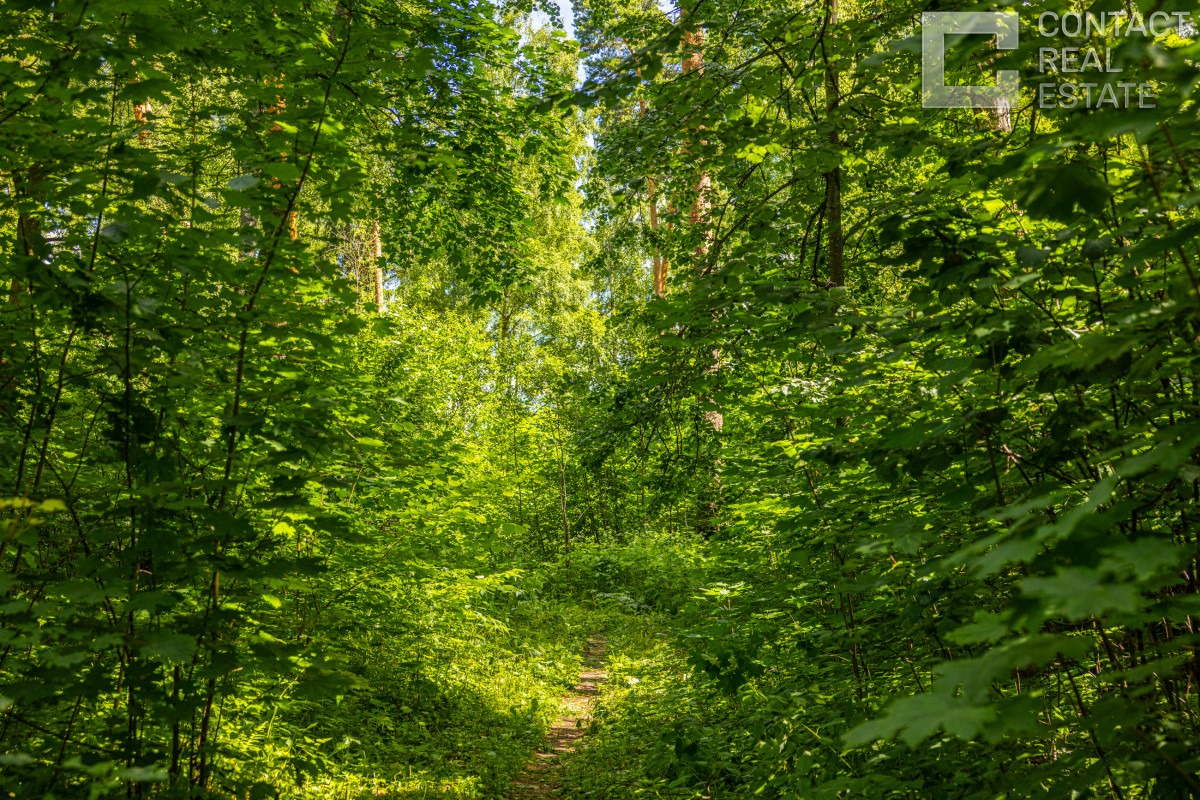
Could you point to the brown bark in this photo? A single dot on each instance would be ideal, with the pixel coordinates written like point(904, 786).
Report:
point(141, 111)
point(377, 253)
point(660, 262)
point(693, 61)
point(709, 505)
point(292, 220)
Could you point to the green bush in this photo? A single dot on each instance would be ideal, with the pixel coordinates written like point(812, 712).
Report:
point(650, 574)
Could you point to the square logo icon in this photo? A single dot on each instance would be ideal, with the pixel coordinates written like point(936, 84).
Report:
point(935, 27)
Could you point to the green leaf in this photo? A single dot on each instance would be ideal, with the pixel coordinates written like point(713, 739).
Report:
point(168, 646)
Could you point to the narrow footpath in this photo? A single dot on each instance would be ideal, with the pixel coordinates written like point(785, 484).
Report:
point(541, 775)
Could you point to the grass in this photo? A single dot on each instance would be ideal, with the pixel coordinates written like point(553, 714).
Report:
point(453, 715)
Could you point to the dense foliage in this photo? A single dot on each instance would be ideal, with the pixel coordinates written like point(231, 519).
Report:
point(356, 365)
point(233, 494)
point(955, 355)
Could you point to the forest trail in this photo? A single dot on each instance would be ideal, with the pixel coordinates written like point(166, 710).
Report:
point(541, 775)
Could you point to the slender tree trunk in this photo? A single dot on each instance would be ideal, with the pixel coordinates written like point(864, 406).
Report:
point(693, 61)
point(292, 220)
point(642, 475)
point(176, 743)
point(29, 226)
point(833, 178)
point(709, 503)
point(660, 262)
point(141, 113)
point(246, 250)
point(377, 254)
point(562, 497)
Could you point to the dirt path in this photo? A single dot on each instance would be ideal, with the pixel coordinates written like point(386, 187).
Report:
point(540, 778)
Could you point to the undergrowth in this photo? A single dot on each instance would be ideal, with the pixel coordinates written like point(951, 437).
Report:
point(630, 746)
point(454, 694)
point(452, 712)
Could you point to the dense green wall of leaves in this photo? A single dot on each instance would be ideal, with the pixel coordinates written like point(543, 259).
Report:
point(257, 538)
point(224, 480)
point(959, 535)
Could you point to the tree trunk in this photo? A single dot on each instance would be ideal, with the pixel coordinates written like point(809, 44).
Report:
point(833, 178)
point(693, 61)
point(29, 226)
point(642, 475)
point(562, 496)
point(291, 220)
point(709, 503)
point(377, 253)
point(141, 112)
point(660, 263)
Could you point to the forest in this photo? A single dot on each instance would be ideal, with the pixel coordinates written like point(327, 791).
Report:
point(603, 400)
